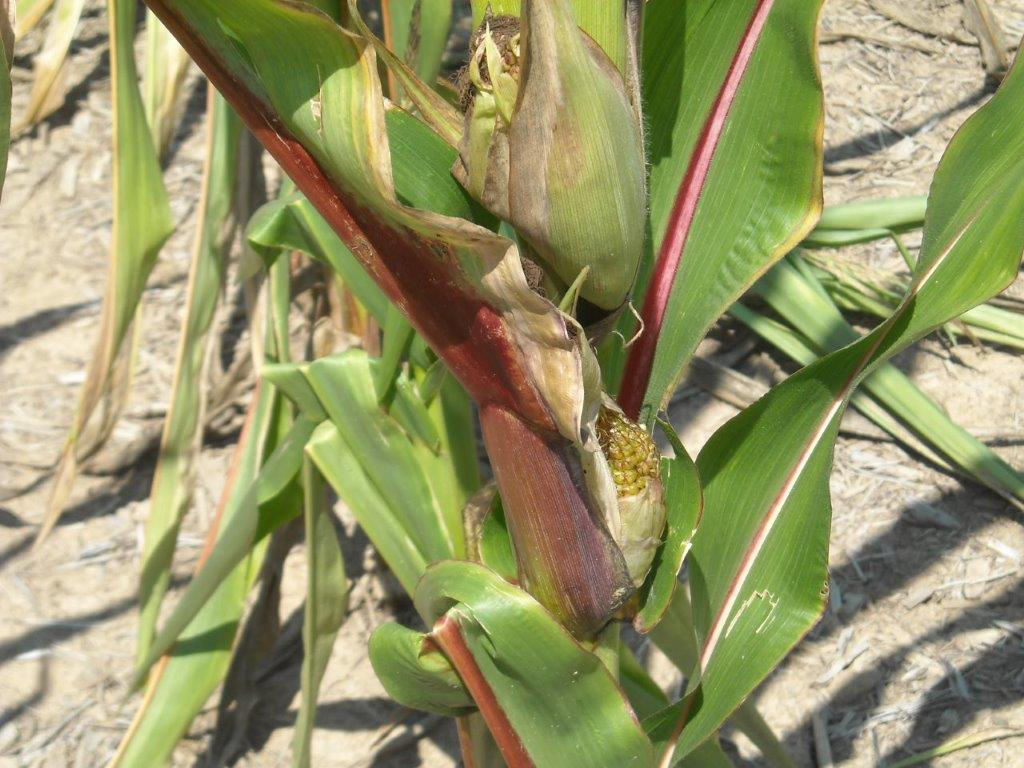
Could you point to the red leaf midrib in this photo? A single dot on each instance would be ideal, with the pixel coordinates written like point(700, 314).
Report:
point(641, 354)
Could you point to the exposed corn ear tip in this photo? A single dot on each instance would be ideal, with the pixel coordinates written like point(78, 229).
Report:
point(489, 86)
point(630, 451)
point(634, 464)
point(494, 60)
point(503, 69)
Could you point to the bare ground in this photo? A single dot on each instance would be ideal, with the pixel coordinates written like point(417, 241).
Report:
point(923, 640)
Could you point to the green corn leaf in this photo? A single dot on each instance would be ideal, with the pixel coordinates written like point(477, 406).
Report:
point(453, 414)
point(478, 747)
point(344, 386)
point(497, 7)
point(434, 376)
point(452, 469)
point(339, 465)
point(289, 378)
point(993, 324)
point(495, 546)
point(333, 8)
point(495, 634)
point(684, 503)
point(644, 695)
point(677, 639)
point(163, 78)
point(142, 223)
point(421, 163)
point(796, 346)
point(279, 293)
point(950, 746)
point(406, 475)
point(266, 503)
point(675, 635)
point(749, 722)
point(803, 302)
point(879, 295)
point(853, 291)
point(850, 223)
point(419, 34)
point(394, 350)
point(759, 560)
point(291, 223)
point(412, 413)
point(202, 629)
point(415, 674)
point(894, 213)
point(837, 238)
point(28, 13)
point(7, 51)
point(171, 491)
point(708, 755)
point(733, 108)
point(438, 435)
point(47, 92)
point(326, 605)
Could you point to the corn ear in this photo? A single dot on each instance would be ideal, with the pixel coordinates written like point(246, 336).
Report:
point(546, 100)
point(603, 23)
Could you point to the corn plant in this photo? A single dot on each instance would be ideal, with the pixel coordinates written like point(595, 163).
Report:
point(537, 248)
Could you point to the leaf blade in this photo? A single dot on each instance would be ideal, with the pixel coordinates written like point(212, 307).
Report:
point(142, 223)
point(171, 489)
point(505, 631)
point(343, 471)
point(757, 592)
point(746, 69)
point(7, 52)
point(46, 94)
point(685, 504)
point(326, 606)
point(201, 648)
point(240, 533)
point(800, 299)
